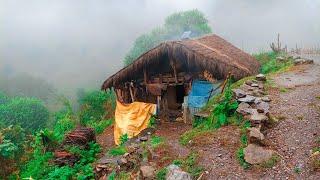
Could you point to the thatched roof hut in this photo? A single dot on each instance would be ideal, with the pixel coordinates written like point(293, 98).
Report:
point(210, 53)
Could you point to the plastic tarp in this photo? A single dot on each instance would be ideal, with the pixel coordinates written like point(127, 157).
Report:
point(132, 118)
point(200, 93)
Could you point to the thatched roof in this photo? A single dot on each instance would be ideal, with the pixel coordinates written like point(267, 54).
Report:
point(211, 53)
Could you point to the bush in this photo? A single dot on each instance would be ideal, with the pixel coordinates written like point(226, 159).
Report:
point(30, 113)
point(96, 106)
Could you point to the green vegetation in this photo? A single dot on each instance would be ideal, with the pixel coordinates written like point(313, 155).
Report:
point(28, 152)
point(223, 114)
point(244, 143)
point(189, 164)
point(271, 162)
point(269, 63)
point(117, 151)
point(97, 109)
point(156, 141)
point(30, 113)
point(173, 28)
point(161, 174)
point(123, 139)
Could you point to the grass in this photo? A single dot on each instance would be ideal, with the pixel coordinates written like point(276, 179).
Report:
point(187, 137)
point(242, 161)
point(161, 174)
point(156, 141)
point(117, 151)
point(297, 170)
point(244, 142)
point(189, 164)
point(269, 63)
point(283, 89)
point(271, 162)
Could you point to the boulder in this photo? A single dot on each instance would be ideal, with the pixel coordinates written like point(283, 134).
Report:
point(281, 58)
point(238, 93)
point(244, 109)
point(258, 118)
point(254, 85)
point(247, 99)
point(175, 173)
point(266, 99)
point(255, 136)
point(261, 77)
point(144, 138)
point(262, 107)
point(147, 172)
point(255, 154)
point(248, 82)
point(303, 61)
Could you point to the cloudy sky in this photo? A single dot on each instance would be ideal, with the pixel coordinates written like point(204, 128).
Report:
point(79, 43)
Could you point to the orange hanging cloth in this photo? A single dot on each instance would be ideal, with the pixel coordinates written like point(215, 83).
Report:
point(132, 118)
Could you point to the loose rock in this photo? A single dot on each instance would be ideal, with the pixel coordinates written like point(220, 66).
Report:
point(175, 173)
point(255, 154)
point(147, 172)
point(238, 93)
point(266, 99)
point(247, 99)
point(255, 136)
point(244, 109)
point(261, 77)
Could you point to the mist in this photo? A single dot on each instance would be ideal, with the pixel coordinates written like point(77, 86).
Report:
point(79, 43)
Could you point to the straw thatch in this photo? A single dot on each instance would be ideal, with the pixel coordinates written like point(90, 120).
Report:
point(210, 53)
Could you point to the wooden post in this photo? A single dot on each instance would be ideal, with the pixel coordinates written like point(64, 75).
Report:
point(175, 73)
point(131, 93)
point(145, 77)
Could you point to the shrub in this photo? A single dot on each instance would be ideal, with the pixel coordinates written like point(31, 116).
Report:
point(30, 113)
point(96, 106)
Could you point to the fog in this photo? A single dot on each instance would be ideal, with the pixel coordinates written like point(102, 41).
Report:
point(79, 43)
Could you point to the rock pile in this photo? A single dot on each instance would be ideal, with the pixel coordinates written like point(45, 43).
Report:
point(254, 106)
point(132, 161)
point(299, 61)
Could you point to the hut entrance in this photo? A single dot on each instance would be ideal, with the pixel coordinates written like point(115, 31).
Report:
point(171, 103)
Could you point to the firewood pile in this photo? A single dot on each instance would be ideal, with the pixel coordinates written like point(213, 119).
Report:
point(80, 137)
point(63, 157)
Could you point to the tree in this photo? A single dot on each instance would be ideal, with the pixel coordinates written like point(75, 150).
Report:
point(174, 26)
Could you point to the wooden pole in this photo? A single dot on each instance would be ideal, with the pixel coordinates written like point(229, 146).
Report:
point(131, 93)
